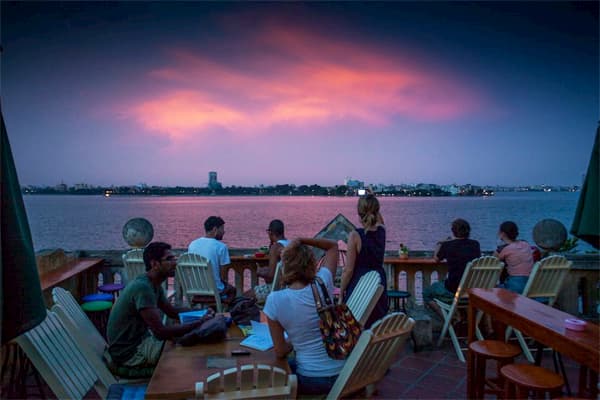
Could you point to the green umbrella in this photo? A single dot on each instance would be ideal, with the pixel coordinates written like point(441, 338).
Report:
point(586, 224)
point(21, 303)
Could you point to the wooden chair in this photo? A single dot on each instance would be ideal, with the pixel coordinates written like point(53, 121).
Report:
point(375, 351)
point(276, 284)
point(365, 295)
point(59, 360)
point(483, 272)
point(70, 307)
point(195, 277)
point(87, 348)
point(133, 262)
point(545, 282)
point(248, 382)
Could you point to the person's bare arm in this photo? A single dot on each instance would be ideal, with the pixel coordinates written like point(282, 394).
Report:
point(152, 318)
point(331, 252)
point(267, 273)
point(354, 244)
point(280, 345)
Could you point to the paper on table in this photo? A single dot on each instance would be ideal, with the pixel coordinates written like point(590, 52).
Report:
point(260, 339)
point(191, 316)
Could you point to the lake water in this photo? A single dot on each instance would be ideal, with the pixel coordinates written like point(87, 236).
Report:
point(96, 222)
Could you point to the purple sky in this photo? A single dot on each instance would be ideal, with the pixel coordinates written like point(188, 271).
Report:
point(267, 93)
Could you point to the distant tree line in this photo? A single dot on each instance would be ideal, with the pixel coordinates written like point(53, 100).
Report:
point(276, 190)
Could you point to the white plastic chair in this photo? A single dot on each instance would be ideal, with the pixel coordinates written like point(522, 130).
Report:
point(483, 273)
point(365, 296)
point(195, 277)
point(375, 351)
point(248, 382)
point(545, 281)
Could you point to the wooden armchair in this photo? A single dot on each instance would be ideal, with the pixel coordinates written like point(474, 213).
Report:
point(195, 277)
point(364, 297)
point(133, 261)
point(248, 382)
point(375, 351)
point(482, 272)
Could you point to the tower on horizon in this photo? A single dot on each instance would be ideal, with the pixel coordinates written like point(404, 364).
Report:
point(213, 183)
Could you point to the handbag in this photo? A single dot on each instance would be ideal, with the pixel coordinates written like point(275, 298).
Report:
point(339, 329)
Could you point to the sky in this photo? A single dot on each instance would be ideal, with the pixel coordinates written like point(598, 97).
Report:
point(161, 93)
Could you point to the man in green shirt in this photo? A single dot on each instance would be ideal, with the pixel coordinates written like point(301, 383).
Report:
point(135, 330)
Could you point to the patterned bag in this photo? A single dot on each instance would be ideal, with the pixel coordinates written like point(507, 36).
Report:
point(339, 329)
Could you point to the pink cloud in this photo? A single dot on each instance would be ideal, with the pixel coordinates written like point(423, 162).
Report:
point(297, 77)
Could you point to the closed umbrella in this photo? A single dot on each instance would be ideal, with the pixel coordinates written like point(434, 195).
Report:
point(21, 303)
point(586, 224)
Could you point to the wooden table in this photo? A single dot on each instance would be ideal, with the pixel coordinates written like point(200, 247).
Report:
point(85, 269)
point(543, 323)
point(179, 368)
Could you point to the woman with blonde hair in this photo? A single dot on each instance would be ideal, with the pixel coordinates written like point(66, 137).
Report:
point(366, 248)
point(293, 310)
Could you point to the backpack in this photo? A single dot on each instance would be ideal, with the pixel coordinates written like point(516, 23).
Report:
point(243, 310)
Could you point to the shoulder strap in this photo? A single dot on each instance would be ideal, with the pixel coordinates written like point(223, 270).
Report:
point(316, 295)
point(324, 290)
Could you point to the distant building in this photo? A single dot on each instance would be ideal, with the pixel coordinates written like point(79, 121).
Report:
point(213, 183)
point(61, 187)
point(353, 183)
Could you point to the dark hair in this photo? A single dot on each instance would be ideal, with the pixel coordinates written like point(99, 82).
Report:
point(461, 228)
point(510, 229)
point(276, 227)
point(213, 222)
point(155, 252)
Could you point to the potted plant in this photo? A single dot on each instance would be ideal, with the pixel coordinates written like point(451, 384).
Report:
point(403, 251)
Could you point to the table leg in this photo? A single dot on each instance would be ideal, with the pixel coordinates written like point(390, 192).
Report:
point(588, 383)
point(471, 318)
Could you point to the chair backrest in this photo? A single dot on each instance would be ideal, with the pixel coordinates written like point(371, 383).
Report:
point(365, 295)
point(133, 261)
point(70, 307)
point(248, 381)
point(375, 351)
point(59, 360)
point(194, 274)
point(81, 337)
point(482, 273)
point(547, 278)
point(276, 285)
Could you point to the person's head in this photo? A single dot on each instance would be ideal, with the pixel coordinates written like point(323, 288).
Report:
point(275, 230)
point(214, 227)
point(299, 264)
point(461, 228)
point(157, 255)
point(368, 208)
point(509, 229)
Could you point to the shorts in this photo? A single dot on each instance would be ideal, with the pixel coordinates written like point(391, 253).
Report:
point(514, 283)
point(146, 354)
point(437, 290)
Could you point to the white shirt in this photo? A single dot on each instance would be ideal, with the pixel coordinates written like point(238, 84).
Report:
point(215, 252)
point(295, 310)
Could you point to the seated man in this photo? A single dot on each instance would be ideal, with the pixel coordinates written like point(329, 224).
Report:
point(278, 242)
point(457, 251)
point(214, 250)
point(135, 330)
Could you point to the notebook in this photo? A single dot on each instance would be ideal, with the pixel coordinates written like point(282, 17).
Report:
point(191, 316)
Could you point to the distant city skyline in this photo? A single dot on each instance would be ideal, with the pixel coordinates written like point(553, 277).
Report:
point(486, 93)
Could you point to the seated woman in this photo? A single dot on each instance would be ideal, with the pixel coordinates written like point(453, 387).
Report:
point(517, 255)
point(366, 248)
point(293, 310)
